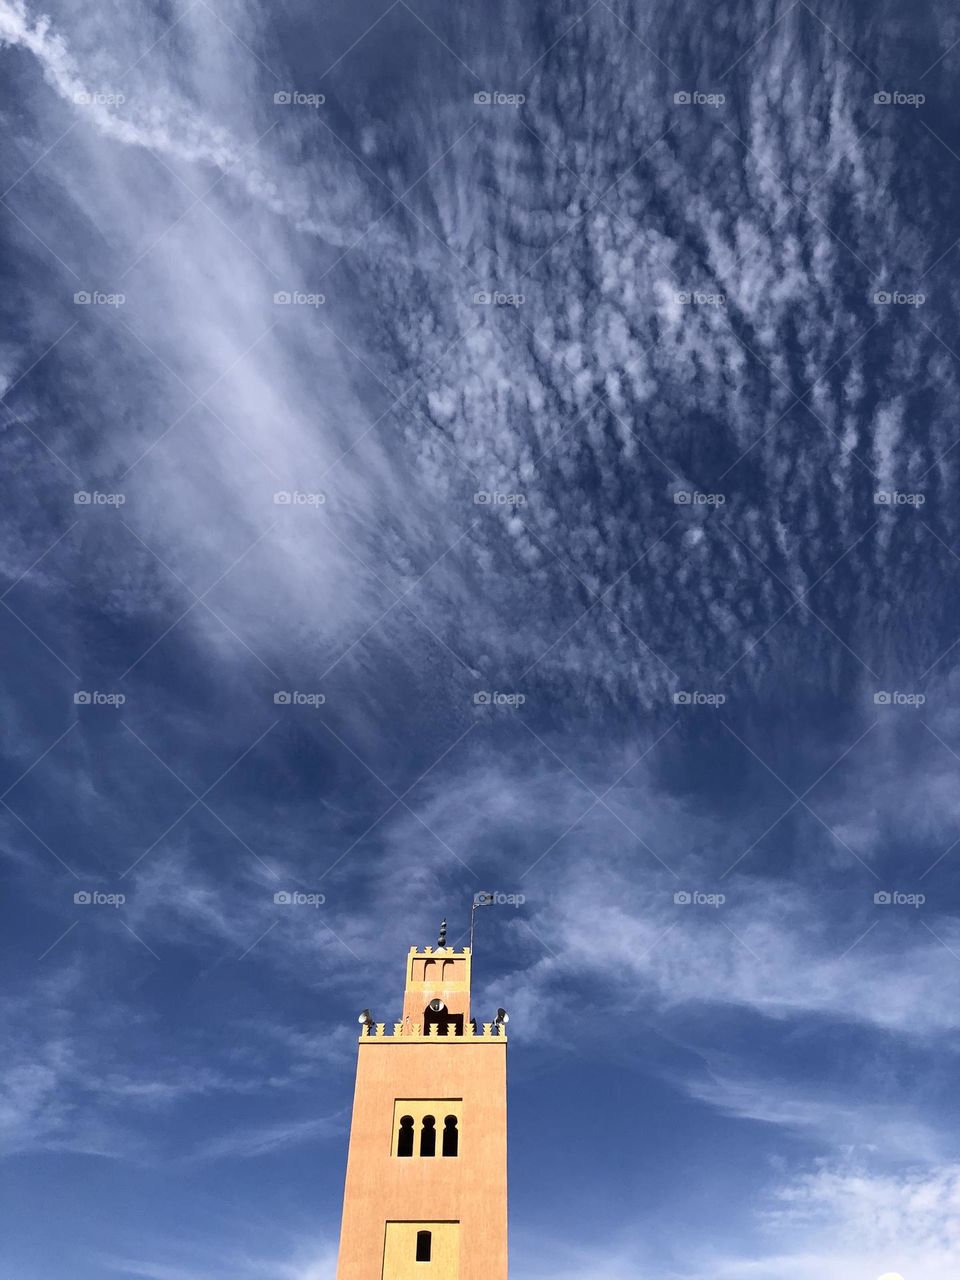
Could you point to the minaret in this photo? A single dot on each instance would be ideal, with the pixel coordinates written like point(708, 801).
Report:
point(426, 1187)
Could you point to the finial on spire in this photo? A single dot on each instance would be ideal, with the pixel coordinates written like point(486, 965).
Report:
point(442, 940)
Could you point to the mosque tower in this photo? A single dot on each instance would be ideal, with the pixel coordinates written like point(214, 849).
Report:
point(426, 1187)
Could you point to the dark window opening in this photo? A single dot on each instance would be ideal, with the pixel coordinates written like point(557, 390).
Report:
point(451, 1136)
point(446, 1023)
point(424, 1241)
point(405, 1136)
point(428, 1137)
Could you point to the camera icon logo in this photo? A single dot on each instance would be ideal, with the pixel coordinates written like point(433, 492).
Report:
point(882, 99)
point(482, 899)
point(882, 899)
point(682, 498)
point(881, 699)
point(82, 299)
point(281, 298)
point(482, 99)
point(482, 299)
point(481, 699)
point(81, 698)
point(282, 98)
point(282, 898)
point(81, 498)
point(682, 699)
point(283, 498)
point(282, 698)
point(682, 898)
point(881, 298)
point(682, 98)
point(82, 898)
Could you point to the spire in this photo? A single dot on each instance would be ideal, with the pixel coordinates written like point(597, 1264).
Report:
point(442, 940)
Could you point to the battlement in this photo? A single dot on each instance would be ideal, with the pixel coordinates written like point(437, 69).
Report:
point(439, 951)
point(413, 1032)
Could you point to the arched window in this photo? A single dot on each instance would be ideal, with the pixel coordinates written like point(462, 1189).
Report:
point(405, 1136)
point(451, 1136)
point(424, 1241)
point(447, 1023)
point(428, 1137)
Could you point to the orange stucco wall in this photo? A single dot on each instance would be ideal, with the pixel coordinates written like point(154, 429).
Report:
point(470, 1189)
point(436, 975)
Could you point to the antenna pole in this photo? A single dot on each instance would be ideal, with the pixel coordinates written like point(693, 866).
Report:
point(473, 918)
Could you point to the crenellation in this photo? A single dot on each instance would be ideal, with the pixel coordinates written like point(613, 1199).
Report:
point(415, 1031)
point(435, 951)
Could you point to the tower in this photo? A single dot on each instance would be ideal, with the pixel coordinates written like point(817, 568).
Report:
point(425, 1196)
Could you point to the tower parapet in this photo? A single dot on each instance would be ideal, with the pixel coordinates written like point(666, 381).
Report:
point(416, 1031)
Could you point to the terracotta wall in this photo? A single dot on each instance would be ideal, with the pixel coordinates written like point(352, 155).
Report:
point(470, 1190)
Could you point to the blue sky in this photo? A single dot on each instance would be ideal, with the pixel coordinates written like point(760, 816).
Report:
point(607, 355)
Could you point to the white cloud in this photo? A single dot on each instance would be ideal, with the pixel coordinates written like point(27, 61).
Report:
point(832, 1116)
point(511, 402)
point(836, 1223)
point(246, 1144)
point(500, 393)
point(303, 1261)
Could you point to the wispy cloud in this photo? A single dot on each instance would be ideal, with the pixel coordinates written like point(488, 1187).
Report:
point(278, 1137)
point(593, 411)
